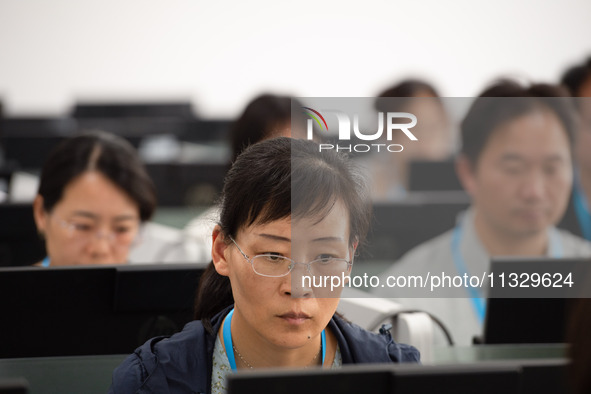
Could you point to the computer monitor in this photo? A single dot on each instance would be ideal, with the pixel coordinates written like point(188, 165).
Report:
point(526, 320)
point(433, 176)
point(533, 317)
point(187, 184)
point(13, 386)
point(482, 378)
point(381, 379)
point(92, 310)
point(202, 130)
point(133, 110)
point(28, 141)
point(5, 175)
point(20, 243)
point(399, 226)
point(544, 375)
point(136, 130)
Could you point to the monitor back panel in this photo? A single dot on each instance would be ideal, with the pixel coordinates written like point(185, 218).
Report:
point(20, 243)
point(397, 227)
point(92, 310)
point(382, 379)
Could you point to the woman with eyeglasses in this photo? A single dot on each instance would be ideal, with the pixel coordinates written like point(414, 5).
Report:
point(289, 216)
point(93, 195)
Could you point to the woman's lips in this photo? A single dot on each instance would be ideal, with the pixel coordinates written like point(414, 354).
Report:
point(295, 318)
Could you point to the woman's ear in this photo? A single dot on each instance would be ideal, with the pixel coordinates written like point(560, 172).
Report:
point(39, 214)
point(219, 249)
point(355, 245)
point(353, 249)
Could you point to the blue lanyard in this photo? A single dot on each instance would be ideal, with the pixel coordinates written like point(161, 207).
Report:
point(582, 210)
point(230, 348)
point(46, 261)
point(478, 302)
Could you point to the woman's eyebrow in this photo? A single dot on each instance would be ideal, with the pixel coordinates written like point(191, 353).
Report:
point(94, 216)
point(325, 239)
point(85, 214)
point(274, 237)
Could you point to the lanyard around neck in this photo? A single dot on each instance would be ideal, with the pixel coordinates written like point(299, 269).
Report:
point(227, 333)
point(476, 298)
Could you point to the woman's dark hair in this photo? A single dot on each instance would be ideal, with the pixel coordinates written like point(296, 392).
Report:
point(575, 77)
point(505, 101)
point(403, 92)
point(259, 121)
point(277, 179)
point(106, 153)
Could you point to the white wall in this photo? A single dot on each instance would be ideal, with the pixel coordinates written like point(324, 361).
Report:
point(221, 53)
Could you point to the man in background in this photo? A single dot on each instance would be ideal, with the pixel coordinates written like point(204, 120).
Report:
point(515, 163)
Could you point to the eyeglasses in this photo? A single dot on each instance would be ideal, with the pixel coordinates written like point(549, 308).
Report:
point(123, 235)
point(275, 266)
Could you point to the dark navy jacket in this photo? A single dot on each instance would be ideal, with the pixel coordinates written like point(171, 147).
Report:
point(182, 363)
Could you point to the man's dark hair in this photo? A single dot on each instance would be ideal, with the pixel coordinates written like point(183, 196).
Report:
point(505, 101)
point(574, 78)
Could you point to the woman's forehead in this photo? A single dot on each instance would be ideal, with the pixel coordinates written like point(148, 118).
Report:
point(333, 223)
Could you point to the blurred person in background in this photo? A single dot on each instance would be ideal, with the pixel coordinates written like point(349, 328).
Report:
point(266, 116)
point(94, 194)
point(578, 80)
point(516, 164)
point(433, 130)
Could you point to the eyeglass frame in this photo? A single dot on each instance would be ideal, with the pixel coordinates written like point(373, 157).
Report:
point(291, 266)
point(110, 236)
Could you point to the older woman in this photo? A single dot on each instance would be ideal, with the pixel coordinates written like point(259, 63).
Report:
point(287, 213)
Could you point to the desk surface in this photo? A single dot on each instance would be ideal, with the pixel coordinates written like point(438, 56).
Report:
point(58, 375)
point(471, 354)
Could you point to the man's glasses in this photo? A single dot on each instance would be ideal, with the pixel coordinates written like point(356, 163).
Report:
point(275, 266)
